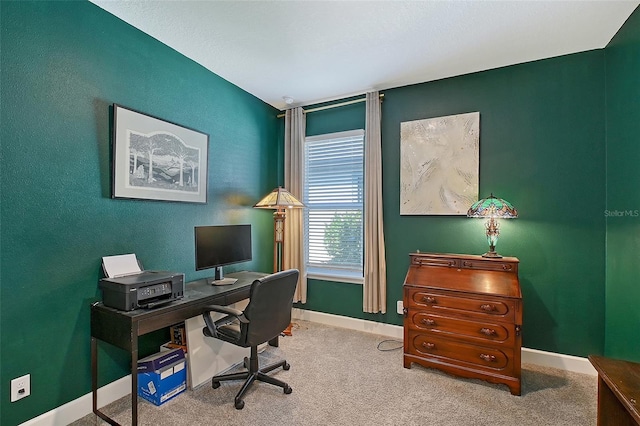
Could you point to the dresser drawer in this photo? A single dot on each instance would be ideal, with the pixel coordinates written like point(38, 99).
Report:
point(461, 353)
point(461, 328)
point(469, 306)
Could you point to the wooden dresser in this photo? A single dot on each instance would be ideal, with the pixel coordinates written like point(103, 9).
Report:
point(618, 391)
point(463, 315)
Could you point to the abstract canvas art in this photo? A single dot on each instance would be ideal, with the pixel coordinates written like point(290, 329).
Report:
point(439, 164)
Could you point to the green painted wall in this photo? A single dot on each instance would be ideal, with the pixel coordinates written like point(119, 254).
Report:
point(623, 191)
point(63, 65)
point(541, 147)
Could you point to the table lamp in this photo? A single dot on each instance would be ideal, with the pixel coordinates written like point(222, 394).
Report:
point(279, 199)
point(492, 208)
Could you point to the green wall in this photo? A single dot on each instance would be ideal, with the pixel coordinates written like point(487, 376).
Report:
point(541, 148)
point(623, 191)
point(63, 65)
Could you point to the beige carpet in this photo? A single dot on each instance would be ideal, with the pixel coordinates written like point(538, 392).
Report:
point(341, 377)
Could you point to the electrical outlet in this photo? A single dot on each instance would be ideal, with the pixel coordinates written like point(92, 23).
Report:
point(400, 307)
point(20, 387)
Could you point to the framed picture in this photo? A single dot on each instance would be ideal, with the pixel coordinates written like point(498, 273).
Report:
point(439, 165)
point(154, 159)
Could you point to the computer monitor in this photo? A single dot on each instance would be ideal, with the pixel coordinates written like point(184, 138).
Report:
point(217, 246)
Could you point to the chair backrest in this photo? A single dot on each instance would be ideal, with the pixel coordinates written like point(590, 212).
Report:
point(269, 308)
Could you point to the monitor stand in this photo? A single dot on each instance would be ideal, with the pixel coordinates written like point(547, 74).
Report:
point(224, 281)
point(219, 279)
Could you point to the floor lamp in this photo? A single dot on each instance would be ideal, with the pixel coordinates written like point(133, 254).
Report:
point(279, 199)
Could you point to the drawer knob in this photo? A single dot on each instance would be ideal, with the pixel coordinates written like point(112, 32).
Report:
point(428, 321)
point(488, 358)
point(488, 307)
point(428, 345)
point(488, 331)
point(429, 299)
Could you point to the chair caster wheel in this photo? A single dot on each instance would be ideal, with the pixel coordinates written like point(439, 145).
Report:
point(286, 366)
point(215, 385)
point(239, 404)
point(288, 390)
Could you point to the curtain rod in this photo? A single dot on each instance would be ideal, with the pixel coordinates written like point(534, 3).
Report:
point(354, 101)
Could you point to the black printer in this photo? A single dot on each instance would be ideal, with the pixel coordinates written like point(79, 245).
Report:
point(145, 289)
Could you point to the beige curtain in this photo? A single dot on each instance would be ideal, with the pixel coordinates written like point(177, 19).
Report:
point(375, 268)
point(294, 133)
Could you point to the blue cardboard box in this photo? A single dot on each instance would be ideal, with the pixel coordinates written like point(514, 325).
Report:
point(162, 376)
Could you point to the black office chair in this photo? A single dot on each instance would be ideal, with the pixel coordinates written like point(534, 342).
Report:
point(265, 317)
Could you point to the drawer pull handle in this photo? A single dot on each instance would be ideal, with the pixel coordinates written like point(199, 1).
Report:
point(488, 358)
point(488, 331)
point(488, 307)
point(428, 321)
point(429, 299)
point(428, 345)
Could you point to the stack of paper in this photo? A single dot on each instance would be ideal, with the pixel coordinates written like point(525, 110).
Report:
point(121, 265)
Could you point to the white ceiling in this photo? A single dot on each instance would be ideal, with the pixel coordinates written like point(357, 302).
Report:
point(314, 51)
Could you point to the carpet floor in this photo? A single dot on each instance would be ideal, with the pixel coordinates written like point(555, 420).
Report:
point(345, 377)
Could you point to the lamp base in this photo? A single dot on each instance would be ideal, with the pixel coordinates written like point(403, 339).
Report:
point(492, 254)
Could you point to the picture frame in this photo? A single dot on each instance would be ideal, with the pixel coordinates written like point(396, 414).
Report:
point(155, 159)
point(439, 165)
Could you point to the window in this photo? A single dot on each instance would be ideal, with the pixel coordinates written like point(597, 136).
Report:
point(334, 194)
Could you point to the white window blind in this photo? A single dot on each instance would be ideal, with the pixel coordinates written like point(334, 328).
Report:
point(333, 194)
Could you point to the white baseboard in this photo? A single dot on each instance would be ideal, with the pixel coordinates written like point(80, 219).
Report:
point(78, 408)
point(107, 394)
point(529, 356)
point(572, 363)
point(389, 330)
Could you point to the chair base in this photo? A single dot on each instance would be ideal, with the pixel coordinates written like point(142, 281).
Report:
point(254, 373)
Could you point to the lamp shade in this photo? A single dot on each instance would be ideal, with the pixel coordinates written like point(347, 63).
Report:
point(279, 198)
point(492, 207)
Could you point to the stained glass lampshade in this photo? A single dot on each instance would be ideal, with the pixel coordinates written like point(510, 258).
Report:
point(492, 208)
point(279, 199)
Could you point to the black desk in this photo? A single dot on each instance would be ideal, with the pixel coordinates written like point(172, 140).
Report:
point(122, 329)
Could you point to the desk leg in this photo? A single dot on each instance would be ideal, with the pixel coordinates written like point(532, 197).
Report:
point(94, 374)
point(94, 383)
point(134, 380)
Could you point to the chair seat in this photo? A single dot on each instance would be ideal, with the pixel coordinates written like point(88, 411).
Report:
point(228, 329)
point(265, 317)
